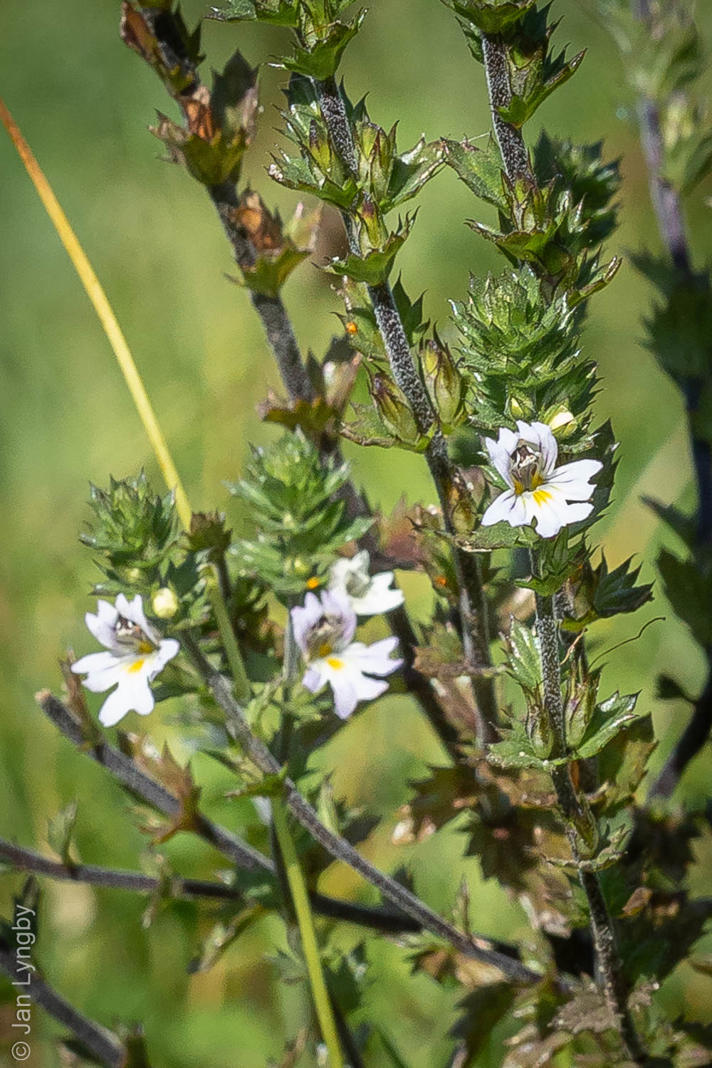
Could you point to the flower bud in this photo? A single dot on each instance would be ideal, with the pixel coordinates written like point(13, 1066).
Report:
point(164, 603)
point(539, 732)
point(372, 234)
point(562, 421)
point(394, 410)
point(444, 384)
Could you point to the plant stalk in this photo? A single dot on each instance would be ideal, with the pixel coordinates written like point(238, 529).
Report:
point(305, 920)
point(472, 606)
point(337, 846)
point(580, 825)
point(509, 138)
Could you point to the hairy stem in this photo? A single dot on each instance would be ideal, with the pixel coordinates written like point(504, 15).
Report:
point(509, 138)
point(102, 1043)
point(273, 315)
point(578, 821)
point(337, 846)
point(473, 608)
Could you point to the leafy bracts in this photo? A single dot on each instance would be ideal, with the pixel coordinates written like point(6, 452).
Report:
point(519, 354)
point(301, 524)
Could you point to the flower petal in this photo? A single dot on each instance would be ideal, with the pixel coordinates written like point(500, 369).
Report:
point(102, 624)
point(304, 617)
point(500, 452)
point(374, 659)
point(167, 649)
point(337, 603)
point(549, 510)
point(345, 693)
point(575, 513)
point(508, 507)
point(379, 597)
point(114, 709)
point(313, 680)
point(573, 479)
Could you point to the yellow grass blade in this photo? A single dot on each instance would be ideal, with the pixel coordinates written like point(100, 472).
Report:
point(106, 316)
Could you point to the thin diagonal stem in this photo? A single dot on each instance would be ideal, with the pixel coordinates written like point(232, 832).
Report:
point(287, 862)
point(310, 946)
point(578, 820)
point(337, 846)
point(271, 310)
point(239, 853)
point(101, 1042)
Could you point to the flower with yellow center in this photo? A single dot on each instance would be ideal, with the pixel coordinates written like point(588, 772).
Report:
point(539, 491)
point(324, 628)
point(368, 595)
point(135, 655)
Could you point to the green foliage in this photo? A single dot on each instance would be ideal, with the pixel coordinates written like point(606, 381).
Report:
point(300, 525)
point(545, 227)
point(215, 136)
point(597, 593)
point(518, 351)
point(175, 63)
point(490, 16)
point(534, 71)
point(444, 383)
point(133, 529)
point(593, 182)
point(384, 179)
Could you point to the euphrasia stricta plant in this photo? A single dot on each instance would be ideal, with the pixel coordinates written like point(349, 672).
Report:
point(272, 639)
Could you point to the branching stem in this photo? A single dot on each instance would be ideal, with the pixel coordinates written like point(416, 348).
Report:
point(337, 846)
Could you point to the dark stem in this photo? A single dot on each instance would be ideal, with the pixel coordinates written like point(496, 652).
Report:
point(146, 789)
point(578, 827)
point(101, 1042)
point(337, 846)
point(23, 859)
point(473, 607)
point(509, 138)
point(271, 310)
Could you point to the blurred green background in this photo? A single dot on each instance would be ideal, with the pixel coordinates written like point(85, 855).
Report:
point(84, 102)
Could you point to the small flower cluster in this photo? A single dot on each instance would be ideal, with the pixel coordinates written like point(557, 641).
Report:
point(324, 628)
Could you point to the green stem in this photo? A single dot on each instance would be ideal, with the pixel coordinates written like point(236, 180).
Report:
point(243, 690)
point(310, 948)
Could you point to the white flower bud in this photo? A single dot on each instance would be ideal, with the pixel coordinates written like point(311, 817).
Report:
point(164, 603)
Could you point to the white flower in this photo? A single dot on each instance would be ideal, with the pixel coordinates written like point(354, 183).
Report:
point(136, 654)
point(538, 488)
point(368, 595)
point(324, 629)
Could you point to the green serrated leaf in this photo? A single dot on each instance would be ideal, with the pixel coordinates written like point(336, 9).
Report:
point(610, 717)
